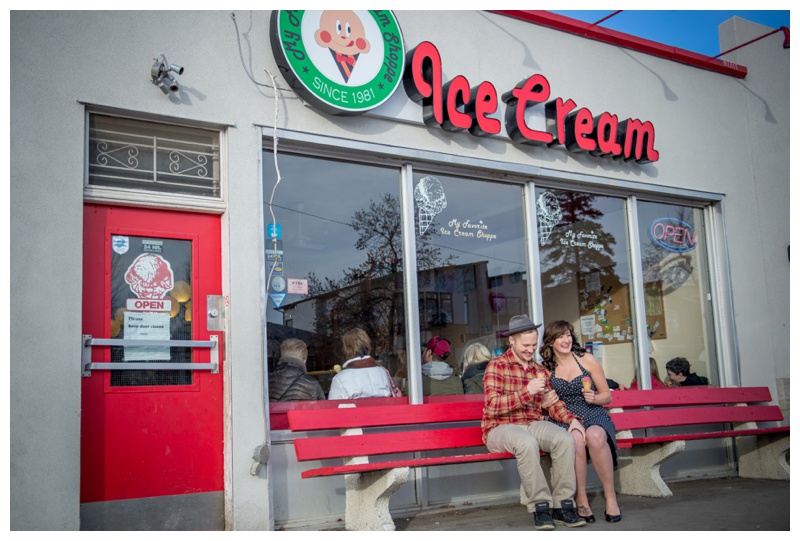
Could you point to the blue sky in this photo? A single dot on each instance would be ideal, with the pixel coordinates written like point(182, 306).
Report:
point(693, 30)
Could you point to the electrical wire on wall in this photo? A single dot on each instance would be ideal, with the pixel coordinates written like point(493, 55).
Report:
point(261, 453)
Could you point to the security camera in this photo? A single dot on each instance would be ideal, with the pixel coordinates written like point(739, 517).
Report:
point(159, 72)
point(173, 85)
point(167, 84)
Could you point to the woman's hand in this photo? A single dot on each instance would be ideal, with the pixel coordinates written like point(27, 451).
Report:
point(576, 425)
point(589, 395)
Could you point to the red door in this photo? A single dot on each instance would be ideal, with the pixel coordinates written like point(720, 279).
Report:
point(145, 433)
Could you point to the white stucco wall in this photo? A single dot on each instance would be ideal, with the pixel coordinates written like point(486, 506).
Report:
point(60, 60)
point(759, 212)
point(715, 133)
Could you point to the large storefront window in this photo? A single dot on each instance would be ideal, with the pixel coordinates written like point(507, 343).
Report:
point(334, 260)
point(585, 274)
point(471, 270)
point(675, 278)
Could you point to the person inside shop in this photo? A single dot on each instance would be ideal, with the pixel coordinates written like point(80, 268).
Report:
point(679, 374)
point(289, 381)
point(473, 365)
point(515, 421)
point(360, 376)
point(438, 377)
point(655, 377)
point(614, 386)
point(401, 374)
point(579, 381)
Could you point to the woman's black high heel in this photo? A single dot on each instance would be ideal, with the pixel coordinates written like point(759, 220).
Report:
point(588, 518)
point(614, 518)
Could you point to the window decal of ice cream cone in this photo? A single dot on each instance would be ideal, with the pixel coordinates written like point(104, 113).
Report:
point(430, 199)
point(343, 34)
point(548, 211)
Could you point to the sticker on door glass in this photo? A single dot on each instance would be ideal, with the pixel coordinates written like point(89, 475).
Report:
point(149, 276)
point(152, 245)
point(120, 244)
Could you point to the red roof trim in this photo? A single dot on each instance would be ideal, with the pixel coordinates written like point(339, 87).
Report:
point(620, 39)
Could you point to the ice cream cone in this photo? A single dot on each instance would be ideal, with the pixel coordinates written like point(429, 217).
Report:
point(587, 383)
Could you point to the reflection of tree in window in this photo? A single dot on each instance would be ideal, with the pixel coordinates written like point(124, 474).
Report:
point(370, 295)
point(560, 260)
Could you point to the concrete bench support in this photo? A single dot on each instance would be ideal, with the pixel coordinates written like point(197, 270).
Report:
point(367, 499)
point(367, 494)
point(639, 472)
point(764, 457)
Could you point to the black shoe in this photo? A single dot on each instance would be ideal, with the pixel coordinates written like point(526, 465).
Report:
point(613, 518)
point(542, 519)
point(567, 515)
point(588, 518)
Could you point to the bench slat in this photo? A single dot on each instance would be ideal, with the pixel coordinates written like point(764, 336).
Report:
point(327, 419)
point(632, 420)
point(324, 447)
point(689, 396)
point(417, 462)
point(629, 442)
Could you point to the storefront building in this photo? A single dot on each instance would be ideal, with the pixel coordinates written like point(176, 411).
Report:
point(225, 181)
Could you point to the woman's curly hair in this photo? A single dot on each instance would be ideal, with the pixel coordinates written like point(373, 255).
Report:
point(551, 333)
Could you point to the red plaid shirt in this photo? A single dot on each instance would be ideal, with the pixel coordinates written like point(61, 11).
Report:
point(506, 396)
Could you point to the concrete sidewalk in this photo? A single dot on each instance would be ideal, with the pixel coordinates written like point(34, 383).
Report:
point(728, 504)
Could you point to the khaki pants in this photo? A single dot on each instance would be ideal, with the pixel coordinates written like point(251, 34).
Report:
point(525, 442)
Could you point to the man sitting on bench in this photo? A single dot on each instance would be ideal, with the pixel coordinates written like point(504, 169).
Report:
point(514, 421)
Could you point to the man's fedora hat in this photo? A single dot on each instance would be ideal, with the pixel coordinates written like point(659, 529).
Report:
point(518, 324)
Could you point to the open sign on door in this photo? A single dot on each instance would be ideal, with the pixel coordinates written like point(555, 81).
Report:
point(149, 305)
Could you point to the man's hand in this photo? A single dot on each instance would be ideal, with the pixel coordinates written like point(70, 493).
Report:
point(536, 385)
point(576, 425)
point(549, 399)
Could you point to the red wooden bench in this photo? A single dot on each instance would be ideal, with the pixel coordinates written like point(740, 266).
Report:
point(370, 477)
point(439, 433)
point(730, 412)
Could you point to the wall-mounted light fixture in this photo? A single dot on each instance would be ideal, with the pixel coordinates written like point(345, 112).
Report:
point(161, 77)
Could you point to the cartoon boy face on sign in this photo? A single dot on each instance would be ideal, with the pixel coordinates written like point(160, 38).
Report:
point(342, 33)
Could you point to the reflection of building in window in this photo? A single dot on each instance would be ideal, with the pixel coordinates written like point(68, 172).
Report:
point(653, 299)
point(435, 309)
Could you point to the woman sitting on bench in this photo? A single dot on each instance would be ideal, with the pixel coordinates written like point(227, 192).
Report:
point(582, 386)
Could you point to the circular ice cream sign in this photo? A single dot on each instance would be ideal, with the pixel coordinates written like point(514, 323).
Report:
point(340, 61)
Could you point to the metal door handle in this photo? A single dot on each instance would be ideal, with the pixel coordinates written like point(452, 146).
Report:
point(87, 365)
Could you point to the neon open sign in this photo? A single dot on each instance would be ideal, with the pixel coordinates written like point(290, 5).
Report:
point(673, 235)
